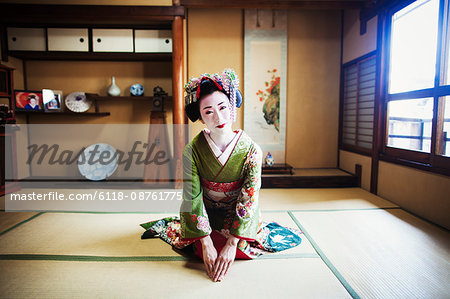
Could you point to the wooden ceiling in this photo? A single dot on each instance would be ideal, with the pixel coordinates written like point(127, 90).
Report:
point(278, 4)
point(23, 14)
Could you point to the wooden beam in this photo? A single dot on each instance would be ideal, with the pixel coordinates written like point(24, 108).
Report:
point(177, 95)
point(380, 95)
point(177, 70)
point(276, 4)
point(372, 8)
point(90, 56)
point(3, 43)
point(358, 173)
point(87, 14)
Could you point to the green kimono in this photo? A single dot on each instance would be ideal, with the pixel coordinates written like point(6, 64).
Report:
point(220, 197)
point(221, 193)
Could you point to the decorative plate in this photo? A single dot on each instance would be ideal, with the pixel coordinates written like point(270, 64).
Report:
point(137, 90)
point(77, 102)
point(96, 169)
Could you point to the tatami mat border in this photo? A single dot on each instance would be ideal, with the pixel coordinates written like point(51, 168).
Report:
point(20, 223)
point(333, 269)
point(91, 258)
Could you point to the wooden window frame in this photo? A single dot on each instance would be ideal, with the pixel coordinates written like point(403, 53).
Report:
point(424, 161)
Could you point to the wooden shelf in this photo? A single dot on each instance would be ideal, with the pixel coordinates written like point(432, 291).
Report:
point(90, 56)
point(277, 168)
point(63, 113)
point(290, 181)
point(123, 98)
point(89, 17)
point(279, 4)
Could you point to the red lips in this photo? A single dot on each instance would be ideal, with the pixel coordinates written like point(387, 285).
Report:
point(221, 126)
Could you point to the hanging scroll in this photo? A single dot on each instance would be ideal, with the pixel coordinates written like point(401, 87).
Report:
point(265, 80)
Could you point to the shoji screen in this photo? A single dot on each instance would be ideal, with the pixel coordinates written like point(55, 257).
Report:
point(359, 97)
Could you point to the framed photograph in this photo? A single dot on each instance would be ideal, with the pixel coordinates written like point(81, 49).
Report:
point(52, 100)
point(28, 100)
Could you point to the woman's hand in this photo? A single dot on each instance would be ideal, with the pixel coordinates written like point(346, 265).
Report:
point(209, 255)
point(225, 259)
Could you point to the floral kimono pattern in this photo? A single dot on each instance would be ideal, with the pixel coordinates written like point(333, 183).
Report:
point(220, 196)
point(220, 193)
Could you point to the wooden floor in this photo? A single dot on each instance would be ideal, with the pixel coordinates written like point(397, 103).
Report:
point(355, 245)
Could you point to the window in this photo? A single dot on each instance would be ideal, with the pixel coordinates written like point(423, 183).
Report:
point(410, 124)
point(417, 81)
point(358, 104)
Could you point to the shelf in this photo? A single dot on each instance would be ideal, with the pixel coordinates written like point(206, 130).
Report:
point(63, 113)
point(90, 56)
point(290, 181)
point(96, 98)
point(277, 168)
point(125, 98)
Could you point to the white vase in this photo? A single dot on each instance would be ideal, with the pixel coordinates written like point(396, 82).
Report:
point(113, 89)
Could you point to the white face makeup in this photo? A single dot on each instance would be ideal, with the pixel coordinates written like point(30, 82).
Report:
point(215, 112)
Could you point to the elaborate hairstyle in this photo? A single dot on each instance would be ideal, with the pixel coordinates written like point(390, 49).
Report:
point(226, 82)
point(32, 97)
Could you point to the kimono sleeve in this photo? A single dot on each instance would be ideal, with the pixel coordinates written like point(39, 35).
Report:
point(246, 220)
point(194, 218)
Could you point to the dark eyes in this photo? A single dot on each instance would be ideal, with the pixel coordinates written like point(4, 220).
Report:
point(221, 108)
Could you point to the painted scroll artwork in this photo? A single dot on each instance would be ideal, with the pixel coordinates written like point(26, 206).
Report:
point(265, 80)
point(270, 96)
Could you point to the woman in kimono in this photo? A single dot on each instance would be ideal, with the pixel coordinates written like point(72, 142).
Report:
point(220, 215)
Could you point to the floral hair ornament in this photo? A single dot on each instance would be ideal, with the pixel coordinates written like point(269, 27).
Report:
point(226, 81)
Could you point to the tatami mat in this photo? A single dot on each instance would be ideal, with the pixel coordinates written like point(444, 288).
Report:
point(105, 235)
point(9, 219)
point(356, 244)
point(84, 234)
point(320, 199)
point(298, 278)
point(383, 253)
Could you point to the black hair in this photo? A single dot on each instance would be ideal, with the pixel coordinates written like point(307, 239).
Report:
point(193, 109)
point(31, 97)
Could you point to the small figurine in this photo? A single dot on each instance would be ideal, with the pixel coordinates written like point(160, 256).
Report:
point(269, 159)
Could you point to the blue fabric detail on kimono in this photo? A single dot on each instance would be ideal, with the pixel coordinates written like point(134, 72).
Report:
point(280, 238)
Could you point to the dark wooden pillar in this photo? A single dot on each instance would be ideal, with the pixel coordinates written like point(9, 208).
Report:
point(380, 96)
point(178, 105)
